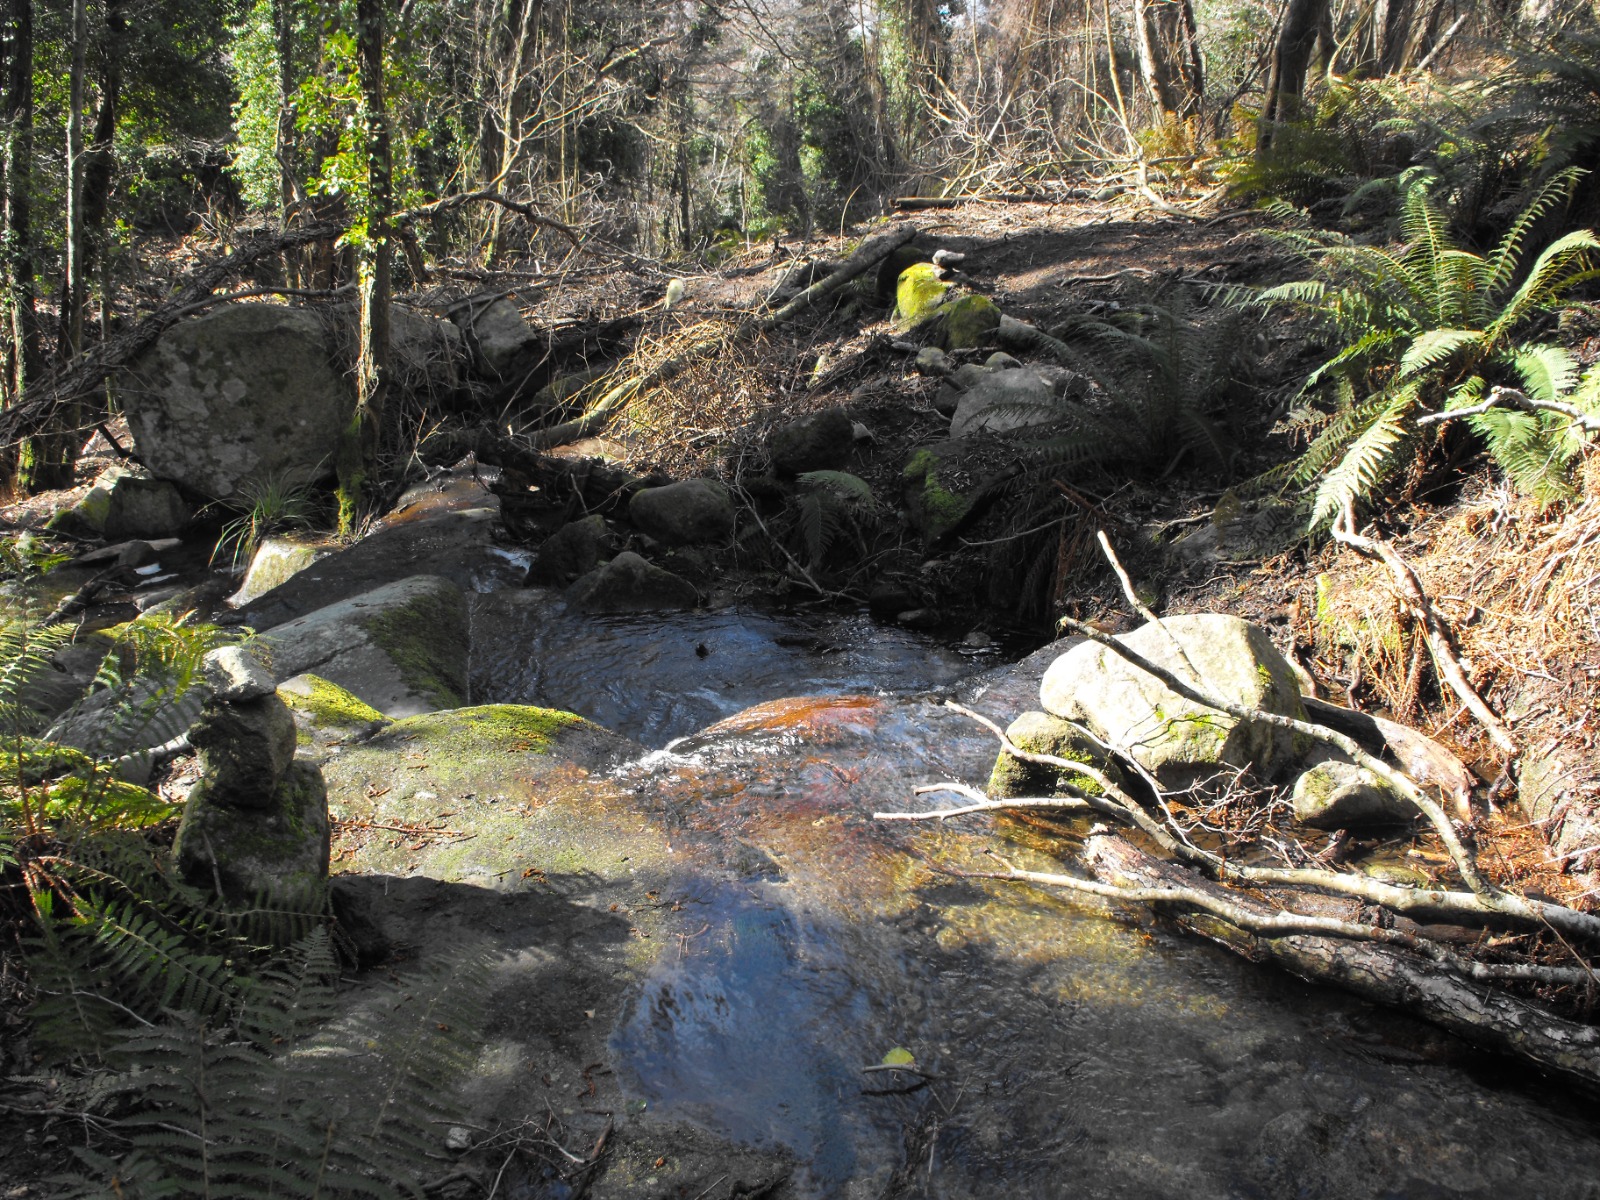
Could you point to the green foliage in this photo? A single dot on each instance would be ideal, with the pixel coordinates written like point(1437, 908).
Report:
point(833, 505)
point(281, 1098)
point(255, 114)
point(1424, 327)
point(1164, 379)
point(276, 504)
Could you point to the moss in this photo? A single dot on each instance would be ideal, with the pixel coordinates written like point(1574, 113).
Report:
point(919, 293)
point(935, 509)
point(489, 729)
point(329, 705)
point(889, 271)
point(1040, 733)
point(421, 639)
point(968, 322)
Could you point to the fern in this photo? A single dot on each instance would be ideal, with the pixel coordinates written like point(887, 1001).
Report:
point(1420, 327)
point(830, 504)
point(280, 1102)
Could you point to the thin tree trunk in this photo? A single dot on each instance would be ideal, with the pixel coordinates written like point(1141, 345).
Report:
point(1291, 58)
point(358, 456)
point(1169, 56)
point(26, 343)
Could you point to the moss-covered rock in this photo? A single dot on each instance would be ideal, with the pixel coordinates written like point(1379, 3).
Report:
point(938, 494)
point(968, 322)
point(1040, 733)
point(919, 294)
point(277, 853)
point(401, 648)
point(483, 777)
point(894, 263)
point(1341, 795)
point(245, 749)
point(325, 714)
point(1176, 740)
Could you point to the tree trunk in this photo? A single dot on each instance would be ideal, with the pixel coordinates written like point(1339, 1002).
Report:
point(358, 455)
point(26, 349)
point(1291, 58)
point(46, 461)
point(1169, 57)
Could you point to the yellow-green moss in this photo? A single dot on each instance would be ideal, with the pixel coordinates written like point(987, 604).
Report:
point(919, 293)
point(936, 509)
point(329, 705)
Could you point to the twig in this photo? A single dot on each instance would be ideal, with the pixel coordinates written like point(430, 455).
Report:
point(980, 803)
point(1511, 396)
point(1439, 638)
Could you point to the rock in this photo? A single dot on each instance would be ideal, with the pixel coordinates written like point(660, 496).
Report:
point(145, 508)
point(1041, 733)
point(248, 391)
point(123, 722)
point(401, 648)
point(938, 492)
point(426, 355)
point(682, 513)
point(497, 335)
point(327, 715)
point(87, 517)
point(1341, 795)
point(572, 551)
point(819, 441)
point(956, 385)
point(234, 675)
point(496, 763)
point(446, 527)
point(889, 597)
point(1177, 741)
point(127, 554)
point(933, 361)
point(1000, 361)
point(919, 618)
point(245, 749)
point(969, 321)
point(275, 853)
point(628, 583)
point(918, 294)
point(278, 559)
point(1003, 401)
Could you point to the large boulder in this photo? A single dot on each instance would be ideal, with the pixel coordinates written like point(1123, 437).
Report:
point(1178, 741)
point(248, 391)
point(497, 335)
point(401, 648)
point(683, 513)
point(629, 583)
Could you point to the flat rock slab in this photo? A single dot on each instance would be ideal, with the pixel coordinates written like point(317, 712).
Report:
point(445, 528)
point(401, 648)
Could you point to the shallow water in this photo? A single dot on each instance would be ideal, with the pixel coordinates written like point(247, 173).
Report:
point(659, 676)
point(1070, 1054)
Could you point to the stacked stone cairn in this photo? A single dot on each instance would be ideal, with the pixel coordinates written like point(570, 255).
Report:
point(255, 828)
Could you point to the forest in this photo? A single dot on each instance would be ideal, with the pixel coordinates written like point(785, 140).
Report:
point(787, 598)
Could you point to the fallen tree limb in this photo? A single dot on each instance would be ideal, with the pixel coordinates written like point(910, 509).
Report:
point(1387, 974)
point(1512, 398)
point(87, 373)
point(1440, 640)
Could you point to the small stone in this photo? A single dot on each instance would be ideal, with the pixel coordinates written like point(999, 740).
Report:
point(459, 1139)
point(978, 640)
point(1341, 795)
point(236, 675)
point(245, 750)
point(630, 583)
point(1000, 361)
point(932, 361)
point(918, 618)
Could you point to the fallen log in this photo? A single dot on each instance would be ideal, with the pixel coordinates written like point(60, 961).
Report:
point(1385, 974)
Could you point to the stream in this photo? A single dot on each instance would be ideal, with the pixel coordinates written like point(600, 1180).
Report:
point(1066, 1051)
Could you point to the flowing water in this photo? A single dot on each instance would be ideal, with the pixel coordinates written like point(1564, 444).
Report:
point(1064, 1050)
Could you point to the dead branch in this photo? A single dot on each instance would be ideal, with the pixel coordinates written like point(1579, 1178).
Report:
point(1440, 640)
point(1512, 398)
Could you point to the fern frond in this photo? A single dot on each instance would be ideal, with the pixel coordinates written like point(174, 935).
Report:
point(1371, 458)
point(1561, 267)
point(1434, 347)
point(841, 483)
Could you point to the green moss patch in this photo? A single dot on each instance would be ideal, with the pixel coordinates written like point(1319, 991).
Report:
point(968, 322)
point(919, 293)
point(422, 639)
point(327, 704)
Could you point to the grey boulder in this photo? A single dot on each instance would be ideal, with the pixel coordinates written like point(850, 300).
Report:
point(1178, 741)
point(683, 513)
point(629, 583)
